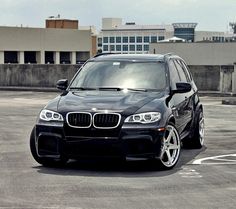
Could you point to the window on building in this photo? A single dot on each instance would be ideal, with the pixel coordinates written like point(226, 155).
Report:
point(222, 39)
point(65, 58)
point(112, 47)
point(139, 47)
point(132, 39)
point(125, 39)
point(105, 39)
point(82, 56)
point(146, 47)
point(125, 48)
point(118, 48)
point(105, 47)
point(160, 38)
point(112, 39)
point(139, 39)
point(99, 42)
point(30, 57)
point(10, 57)
point(146, 39)
point(49, 57)
point(153, 39)
point(185, 33)
point(118, 39)
point(132, 47)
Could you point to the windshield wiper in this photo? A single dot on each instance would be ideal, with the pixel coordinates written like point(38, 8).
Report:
point(82, 88)
point(156, 90)
point(110, 88)
point(136, 89)
point(122, 89)
point(141, 89)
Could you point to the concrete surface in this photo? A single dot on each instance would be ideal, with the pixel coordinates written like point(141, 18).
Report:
point(229, 101)
point(194, 183)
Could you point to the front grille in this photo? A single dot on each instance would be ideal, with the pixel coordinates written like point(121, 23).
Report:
point(106, 120)
point(79, 119)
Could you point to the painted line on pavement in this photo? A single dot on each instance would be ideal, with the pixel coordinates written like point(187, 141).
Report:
point(220, 158)
point(189, 173)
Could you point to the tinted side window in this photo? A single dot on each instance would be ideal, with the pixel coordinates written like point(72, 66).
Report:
point(180, 69)
point(174, 75)
point(186, 69)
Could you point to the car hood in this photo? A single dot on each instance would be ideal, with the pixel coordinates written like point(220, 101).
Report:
point(111, 101)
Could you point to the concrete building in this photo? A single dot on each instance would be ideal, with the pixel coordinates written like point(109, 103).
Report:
point(61, 23)
point(202, 53)
point(210, 36)
point(61, 42)
point(132, 38)
point(185, 31)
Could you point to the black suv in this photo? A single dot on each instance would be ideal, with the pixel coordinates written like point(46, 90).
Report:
point(130, 106)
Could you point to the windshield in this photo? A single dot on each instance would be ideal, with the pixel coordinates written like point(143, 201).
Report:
point(121, 74)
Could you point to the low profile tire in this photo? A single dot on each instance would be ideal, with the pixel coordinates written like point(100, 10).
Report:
point(197, 139)
point(49, 162)
point(171, 147)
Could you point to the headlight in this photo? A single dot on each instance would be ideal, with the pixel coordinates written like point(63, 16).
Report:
point(148, 117)
point(49, 115)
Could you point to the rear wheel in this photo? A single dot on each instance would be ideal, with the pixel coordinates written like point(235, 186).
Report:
point(43, 160)
point(171, 147)
point(197, 139)
point(199, 132)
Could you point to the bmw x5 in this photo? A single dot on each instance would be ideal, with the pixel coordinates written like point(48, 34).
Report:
point(129, 106)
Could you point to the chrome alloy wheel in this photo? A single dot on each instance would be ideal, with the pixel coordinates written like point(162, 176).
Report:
point(171, 148)
point(201, 127)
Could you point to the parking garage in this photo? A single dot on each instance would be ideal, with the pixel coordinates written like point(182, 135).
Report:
point(44, 45)
point(50, 57)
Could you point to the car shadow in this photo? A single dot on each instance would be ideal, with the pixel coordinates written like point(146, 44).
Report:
point(119, 168)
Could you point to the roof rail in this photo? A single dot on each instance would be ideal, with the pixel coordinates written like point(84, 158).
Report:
point(168, 54)
point(101, 54)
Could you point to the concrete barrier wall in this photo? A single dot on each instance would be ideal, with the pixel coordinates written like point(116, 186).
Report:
point(35, 75)
point(207, 78)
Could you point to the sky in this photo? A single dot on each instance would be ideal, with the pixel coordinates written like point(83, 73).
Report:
point(212, 15)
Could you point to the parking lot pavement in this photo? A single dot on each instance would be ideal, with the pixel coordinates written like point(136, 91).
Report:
point(203, 178)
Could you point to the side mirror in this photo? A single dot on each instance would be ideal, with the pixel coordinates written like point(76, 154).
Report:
point(62, 84)
point(182, 87)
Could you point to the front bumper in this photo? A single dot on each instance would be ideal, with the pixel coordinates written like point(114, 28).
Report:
point(128, 142)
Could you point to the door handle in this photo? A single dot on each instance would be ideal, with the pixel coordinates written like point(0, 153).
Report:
point(175, 111)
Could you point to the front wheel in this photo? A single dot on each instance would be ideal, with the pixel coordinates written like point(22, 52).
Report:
point(171, 147)
point(44, 160)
